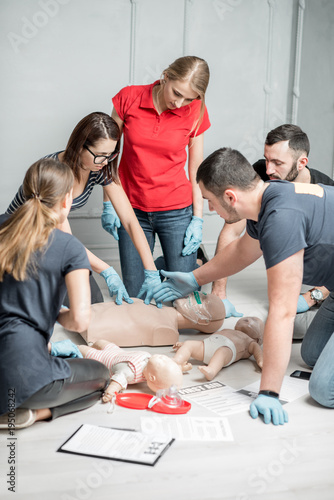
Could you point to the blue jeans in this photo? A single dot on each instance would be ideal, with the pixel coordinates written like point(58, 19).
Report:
point(318, 351)
point(170, 226)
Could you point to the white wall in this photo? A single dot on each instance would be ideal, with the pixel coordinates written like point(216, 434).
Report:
point(62, 59)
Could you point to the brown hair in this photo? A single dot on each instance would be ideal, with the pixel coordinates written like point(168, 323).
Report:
point(226, 168)
point(87, 132)
point(28, 229)
point(298, 140)
point(196, 71)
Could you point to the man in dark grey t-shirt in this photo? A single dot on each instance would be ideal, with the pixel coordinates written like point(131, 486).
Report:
point(286, 153)
point(290, 224)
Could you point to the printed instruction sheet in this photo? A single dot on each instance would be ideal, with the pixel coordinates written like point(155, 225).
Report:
point(217, 397)
point(116, 444)
point(224, 400)
point(188, 428)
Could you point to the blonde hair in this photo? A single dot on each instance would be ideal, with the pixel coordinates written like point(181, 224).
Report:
point(28, 229)
point(194, 70)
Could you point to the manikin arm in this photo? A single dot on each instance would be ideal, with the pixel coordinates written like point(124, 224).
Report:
point(188, 349)
point(256, 351)
point(112, 388)
point(121, 377)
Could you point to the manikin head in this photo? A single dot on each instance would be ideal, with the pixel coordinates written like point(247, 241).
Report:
point(286, 152)
point(252, 326)
point(207, 311)
point(161, 372)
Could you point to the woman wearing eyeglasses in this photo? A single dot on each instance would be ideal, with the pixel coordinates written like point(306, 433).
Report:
point(91, 153)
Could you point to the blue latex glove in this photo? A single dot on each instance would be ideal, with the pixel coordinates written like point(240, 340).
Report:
point(270, 408)
point(152, 279)
point(230, 310)
point(193, 236)
point(110, 220)
point(302, 305)
point(176, 286)
point(115, 286)
point(65, 349)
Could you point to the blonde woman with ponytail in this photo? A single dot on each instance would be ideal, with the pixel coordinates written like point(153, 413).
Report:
point(38, 263)
point(163, 127)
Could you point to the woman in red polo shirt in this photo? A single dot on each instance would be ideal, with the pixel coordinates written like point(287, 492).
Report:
point(161, 123)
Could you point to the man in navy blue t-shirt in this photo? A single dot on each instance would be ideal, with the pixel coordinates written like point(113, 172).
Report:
point(290, 224)
point(286, 151)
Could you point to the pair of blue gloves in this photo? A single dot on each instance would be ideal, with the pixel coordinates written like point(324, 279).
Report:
point(179, 285)
point(117, 288)
point(192, 239)
point(111, 222)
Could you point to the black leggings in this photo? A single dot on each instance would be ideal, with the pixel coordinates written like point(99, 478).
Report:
point(80, 390)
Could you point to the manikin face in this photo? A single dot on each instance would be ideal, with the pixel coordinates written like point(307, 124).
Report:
point(178, 93)
point(280, 162)
point(200, 308)
point(103, 147)
point(161, 372)
point(219, 205)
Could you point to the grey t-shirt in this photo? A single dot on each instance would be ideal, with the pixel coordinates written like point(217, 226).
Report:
point(296, 216)
point(28, 312)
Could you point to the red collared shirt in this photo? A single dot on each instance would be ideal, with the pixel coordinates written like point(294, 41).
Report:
point(154, 150)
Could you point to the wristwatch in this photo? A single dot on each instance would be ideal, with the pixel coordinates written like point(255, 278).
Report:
point(316, 295)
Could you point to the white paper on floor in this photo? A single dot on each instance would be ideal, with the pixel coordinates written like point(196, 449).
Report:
point(217, 397)
point(188, 428)
point(292, 388)
point(225, 400)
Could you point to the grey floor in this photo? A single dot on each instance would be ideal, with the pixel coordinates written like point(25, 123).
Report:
point(290, 462)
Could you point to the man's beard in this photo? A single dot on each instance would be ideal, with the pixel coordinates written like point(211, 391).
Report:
point(291, 176)
point(235, 217)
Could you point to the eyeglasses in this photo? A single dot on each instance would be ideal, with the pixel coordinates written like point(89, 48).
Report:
point(98, 159)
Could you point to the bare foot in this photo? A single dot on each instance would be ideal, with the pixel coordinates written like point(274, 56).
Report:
point(186, 367)
point(207, 372)
point(177, 345)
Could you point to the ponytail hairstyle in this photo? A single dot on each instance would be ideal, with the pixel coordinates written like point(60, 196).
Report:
point(87, 132)
point(194, 70)
point(28, 229)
